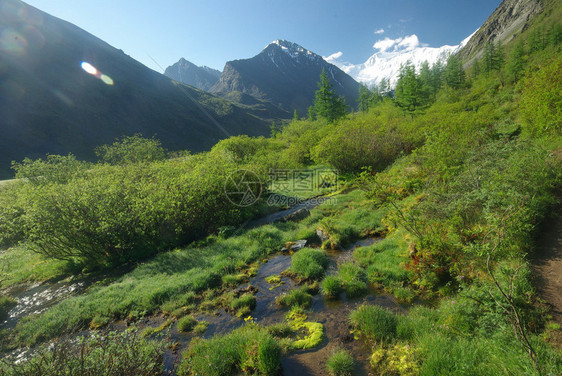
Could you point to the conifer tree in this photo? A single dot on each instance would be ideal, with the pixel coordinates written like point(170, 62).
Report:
point(327, 104)
point(516, 63)
point(455, 76)
point(408, 89)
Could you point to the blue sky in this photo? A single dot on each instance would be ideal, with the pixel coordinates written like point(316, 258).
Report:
point(211, 32)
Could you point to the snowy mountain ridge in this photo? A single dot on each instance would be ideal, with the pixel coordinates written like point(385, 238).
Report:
point(391, 55)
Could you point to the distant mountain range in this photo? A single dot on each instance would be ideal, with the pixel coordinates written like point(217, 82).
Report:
point(63, 90)
point(188, 73)
point(285, 75)
point(391, 55)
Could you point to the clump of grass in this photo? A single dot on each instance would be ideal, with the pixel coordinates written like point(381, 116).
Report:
point(281, 330)
point(201, 327)
point(354, 279)
point(233, 279)
point(186, 324)
point(340, 363)
point(309, 263)
point(243, 305)
point(374, 322)
point(248, 350)
point(331, 286)
point(297, 297)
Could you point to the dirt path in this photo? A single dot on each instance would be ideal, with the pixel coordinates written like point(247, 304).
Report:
point(547, 264)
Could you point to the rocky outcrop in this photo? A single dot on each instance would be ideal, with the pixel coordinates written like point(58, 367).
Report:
point(510, 18)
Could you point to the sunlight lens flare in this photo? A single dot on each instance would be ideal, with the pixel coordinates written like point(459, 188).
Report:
point(89, 68)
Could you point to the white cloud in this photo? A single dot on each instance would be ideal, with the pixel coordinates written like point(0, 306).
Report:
point(380, 31)
point(408, 43)
point(333, 57)
point(385, 44)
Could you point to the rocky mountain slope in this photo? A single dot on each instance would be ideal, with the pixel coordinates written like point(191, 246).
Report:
point(510, 18)
point(188, 73)
point(64, 90)
point(284, 74)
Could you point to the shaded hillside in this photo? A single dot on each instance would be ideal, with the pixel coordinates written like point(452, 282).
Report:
point(50, 104)
point(188, 73)
point(286, 75)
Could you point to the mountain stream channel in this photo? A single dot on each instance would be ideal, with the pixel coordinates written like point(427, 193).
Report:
point(333, 314)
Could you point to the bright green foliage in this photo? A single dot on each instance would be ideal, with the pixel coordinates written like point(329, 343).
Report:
point(112, 214)
point(112, 354)
point(54, 169)
point(340, 363)
point(374, 323)
point(309, 263)
point(134, 149)
point(249, 350)
point(327, 104)
point(541, 104)
point(396, 360)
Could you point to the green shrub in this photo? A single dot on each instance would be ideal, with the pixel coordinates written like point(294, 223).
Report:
point(374, 322)
point(297, 297)
point(186, 324)
point(249, 349)
point(112, 354)
point(6, 304)
point(201, 327)
point(331, 286)
point(340, 363)
point(309, 263)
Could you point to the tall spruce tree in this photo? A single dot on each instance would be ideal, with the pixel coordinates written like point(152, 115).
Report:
point(327, 104)
point(455, 76)
point(408, 94)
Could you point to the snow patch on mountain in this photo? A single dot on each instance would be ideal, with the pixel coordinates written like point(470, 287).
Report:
point(390, 55)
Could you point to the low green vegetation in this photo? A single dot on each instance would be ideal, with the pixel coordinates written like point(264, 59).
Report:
point(6, 303)
point(454, 175)
point(331, 286)
point(112, 354)
point(186, 324)
point(374, 323)
point(296, 297)
point(340, 363)
point(243, 305)
point(309, 263)
point(249, 350)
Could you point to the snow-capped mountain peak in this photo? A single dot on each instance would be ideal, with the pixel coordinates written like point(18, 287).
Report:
point(391, 55)
point(293, 50)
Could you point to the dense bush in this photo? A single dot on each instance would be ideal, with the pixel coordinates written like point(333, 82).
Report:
point(113, 354)
point(114, 214)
